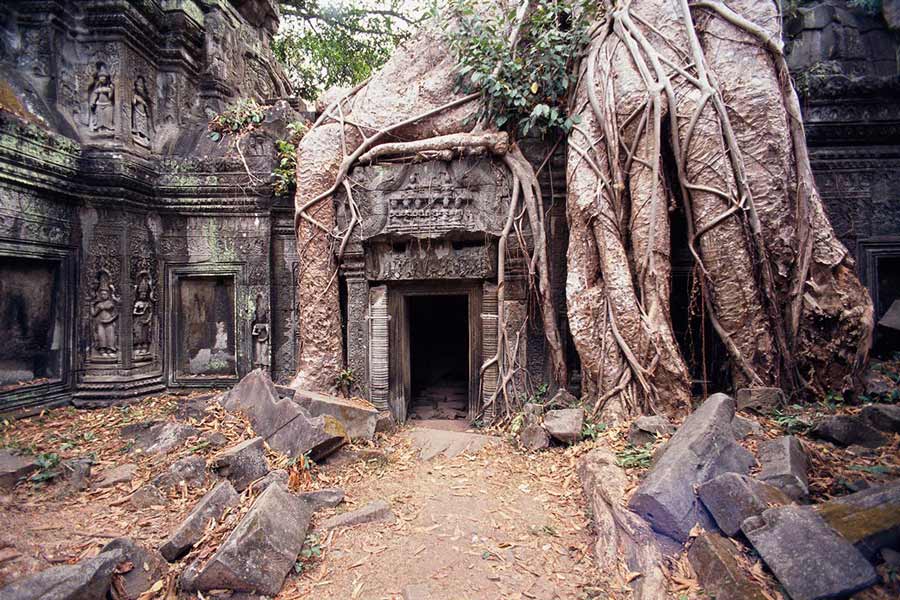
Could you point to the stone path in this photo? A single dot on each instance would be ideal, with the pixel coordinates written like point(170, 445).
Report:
point(484, 522)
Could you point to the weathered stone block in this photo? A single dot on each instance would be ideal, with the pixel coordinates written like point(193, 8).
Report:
point(534, 437)
point(358, 416)
point(320, 436)
point(807, 556)
point(377, 510)
point(211, 506)
point(847, 430)
point(242, 463)
point(744, 428)
point(324, 498)
point(731, 498)
point(784, 465)
point(884, 417)
point(385, 423)
point(14, 467)
point(148, 566)
point(869, 519)
point(279, 475)
point(760, 399)
point(262, 549)
point(191, 470)
point(90, 578)
point(147, 496)
point(712, 558)
point(116, 475)
point(644, 430)
point(158, 438)
point(565, 424)
point(702, 448)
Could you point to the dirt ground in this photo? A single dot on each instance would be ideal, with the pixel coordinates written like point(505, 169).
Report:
point(496, 523)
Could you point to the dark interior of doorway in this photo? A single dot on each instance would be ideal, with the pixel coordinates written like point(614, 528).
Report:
point(439, 356)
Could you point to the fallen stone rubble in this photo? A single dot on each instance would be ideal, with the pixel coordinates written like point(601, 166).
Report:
point(699, 493)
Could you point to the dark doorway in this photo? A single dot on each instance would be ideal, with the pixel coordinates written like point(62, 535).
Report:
point(438, 356)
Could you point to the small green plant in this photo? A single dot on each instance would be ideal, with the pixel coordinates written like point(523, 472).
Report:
point(833, 399)
point(312, 550)
point(285, 172)
point(344, 382)
point(540, 394)
point(635, 457)
point(593, 430)
point(239, 118)
point(515, 426)
point(790, 423)
point(46, 463)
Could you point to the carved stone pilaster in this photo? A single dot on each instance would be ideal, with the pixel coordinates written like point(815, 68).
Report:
point(357, 324)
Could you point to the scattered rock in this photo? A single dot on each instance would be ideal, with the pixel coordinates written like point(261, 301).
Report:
point(153, 437)
point(622, 536)
point(281, 422)
point(358, 416)
point(877, 384)
point(190, 470)
point(846, 430)
point(378, 510)
point(806, 555)
point(211, 506)
point(77, 472)
point(214, 438)
point(562, 397)
point(712, 558)
point(702, 448)
point(744, 427)
point(784, 465)
point(731, 498)
point(193, 408)
point(760, 399)
point(869, 519)
point(242, 464)
point(433, 442)
point(644, 430)
point(532, 409)
point(884, 417)
point(91, 578)
point(116, 475)
point(534, 437)
point(385, 423)
point(14, 467)
point(260, 552)
point(279, 475)
point(325, 498)
point(148, 568)
point(565, 424)
point(146, 496)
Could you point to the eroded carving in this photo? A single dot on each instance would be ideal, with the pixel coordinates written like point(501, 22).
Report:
point(102, 101)
point(142, 315)
point(140, 113)
point(105, 317)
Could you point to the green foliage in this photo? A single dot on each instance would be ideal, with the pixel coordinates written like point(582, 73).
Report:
point(524, 86)
point(635, 457)
point(540, 394)
point(286, 168)
point(312, 549)
point(322, 44)
point(239, 118)
point(345, 380)
point(593, 430)
point(790, 423)
point(46, 463)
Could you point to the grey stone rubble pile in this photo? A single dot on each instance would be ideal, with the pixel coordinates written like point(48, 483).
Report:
point(702, 479)
point(242, 464)
point(565, 425)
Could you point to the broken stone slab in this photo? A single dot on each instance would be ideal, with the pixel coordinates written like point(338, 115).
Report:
point(146, 496)
point(148, 567)
point(262, 549)
point(565, 424)
point(563, 398)
point(377, 510)
point(385, 423)
point(760, 399)
point(620, 533)
point(810, 559)
point(713, 559)
point(434, 442)
point(702, 448)
point(744, 427)
point(210, 506)
point(785, 465)
point(14, 467)
point(533, 409)
point(319, 436)
point(242, 463)
point(77, 472)
point(324, 498)
point(190, 470)
point(194, 408)
point(848, 430)
point(732, 498)
point(116, 475)
point(533, 437)
point(214, 439)
point(279, 475)
point(884, 417)
point(91, 578)
point(645, 429)
point(869, 519)
point(153, 437)
point(358, 416)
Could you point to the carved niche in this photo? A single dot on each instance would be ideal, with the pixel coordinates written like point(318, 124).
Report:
point(141, 119)
point(101, 103)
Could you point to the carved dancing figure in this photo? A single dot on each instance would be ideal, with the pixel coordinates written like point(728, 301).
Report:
point(221, 344)
point(105, 315)
point(140, 113)
point(142, 321)
point(260, 334)
point(102, 97)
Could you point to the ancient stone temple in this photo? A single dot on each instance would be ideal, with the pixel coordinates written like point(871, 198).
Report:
point(138, 254)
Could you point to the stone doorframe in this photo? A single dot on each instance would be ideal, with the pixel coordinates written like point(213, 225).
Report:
point(398, 350)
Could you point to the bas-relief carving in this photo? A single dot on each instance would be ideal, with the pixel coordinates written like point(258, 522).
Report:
point(436, 259)
point(259, 331)
point(141, 120)
point(105, 317)
point(101, 106)
point(142, 320)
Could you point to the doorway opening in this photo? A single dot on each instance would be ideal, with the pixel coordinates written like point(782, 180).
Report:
point(439, 356)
